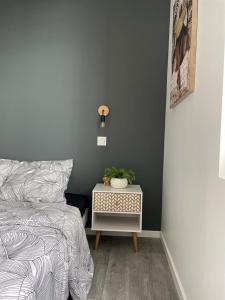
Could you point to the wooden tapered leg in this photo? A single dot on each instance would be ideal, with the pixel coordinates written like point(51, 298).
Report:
point(97, 239)
point(135, 241)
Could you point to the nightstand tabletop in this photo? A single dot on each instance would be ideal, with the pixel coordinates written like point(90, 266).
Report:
point(131, 188)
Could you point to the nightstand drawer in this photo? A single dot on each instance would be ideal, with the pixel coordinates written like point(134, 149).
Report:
point(117, 202)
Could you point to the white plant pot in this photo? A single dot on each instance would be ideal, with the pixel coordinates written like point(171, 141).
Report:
point(119, 183)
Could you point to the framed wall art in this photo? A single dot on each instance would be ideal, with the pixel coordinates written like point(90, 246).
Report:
point(184, 43)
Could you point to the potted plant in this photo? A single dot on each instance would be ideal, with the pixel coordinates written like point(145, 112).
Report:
point(118, 178)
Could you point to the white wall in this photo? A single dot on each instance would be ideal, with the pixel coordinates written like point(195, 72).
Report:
point(193, 220)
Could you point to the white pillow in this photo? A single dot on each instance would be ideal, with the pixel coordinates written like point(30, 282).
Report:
point(40, 181)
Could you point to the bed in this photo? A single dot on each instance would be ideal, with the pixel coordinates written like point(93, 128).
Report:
point(44, 252)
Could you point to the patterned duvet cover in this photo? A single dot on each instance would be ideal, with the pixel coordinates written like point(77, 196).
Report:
point(44, 253)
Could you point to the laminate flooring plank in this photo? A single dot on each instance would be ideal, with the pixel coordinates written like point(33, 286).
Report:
point(159, 283)
point(117, 280)
point(101, 262)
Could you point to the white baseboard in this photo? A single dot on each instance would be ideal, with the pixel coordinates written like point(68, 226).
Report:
point(175, 275)
point(144, 233)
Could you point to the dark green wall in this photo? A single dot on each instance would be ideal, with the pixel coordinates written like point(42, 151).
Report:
point(59, 60)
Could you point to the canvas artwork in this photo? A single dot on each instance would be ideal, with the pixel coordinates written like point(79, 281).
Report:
point(183, 49)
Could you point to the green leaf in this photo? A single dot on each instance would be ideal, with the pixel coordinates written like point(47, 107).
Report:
point(114, 172)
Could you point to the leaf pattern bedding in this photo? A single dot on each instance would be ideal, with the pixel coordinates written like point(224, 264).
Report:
point(44, 253)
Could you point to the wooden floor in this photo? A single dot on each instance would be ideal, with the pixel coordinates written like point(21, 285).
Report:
point(122, 274)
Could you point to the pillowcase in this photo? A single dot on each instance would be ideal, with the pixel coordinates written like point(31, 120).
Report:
point(40, 181)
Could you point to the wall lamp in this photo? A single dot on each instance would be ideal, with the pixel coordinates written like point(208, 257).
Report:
point(103, 112)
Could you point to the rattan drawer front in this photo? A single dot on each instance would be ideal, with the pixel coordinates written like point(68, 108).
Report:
point(117, 202)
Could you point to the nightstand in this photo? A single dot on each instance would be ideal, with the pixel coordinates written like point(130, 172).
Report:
point(117, 210)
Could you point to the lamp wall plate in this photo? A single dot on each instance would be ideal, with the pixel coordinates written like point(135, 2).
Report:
point(103, 110)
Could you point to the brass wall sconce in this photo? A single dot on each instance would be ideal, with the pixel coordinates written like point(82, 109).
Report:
point(103, 112)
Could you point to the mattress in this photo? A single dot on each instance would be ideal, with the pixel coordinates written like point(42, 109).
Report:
point(44, 252)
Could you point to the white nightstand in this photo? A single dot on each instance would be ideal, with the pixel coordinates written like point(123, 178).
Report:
point(117, 210)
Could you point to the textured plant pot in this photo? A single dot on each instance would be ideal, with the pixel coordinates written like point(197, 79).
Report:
point(119, 183)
